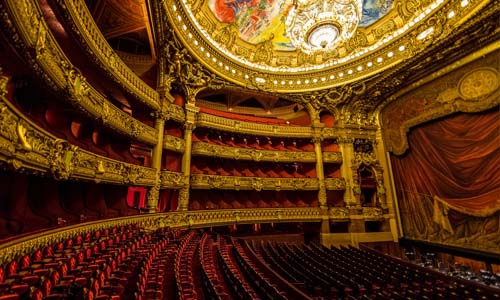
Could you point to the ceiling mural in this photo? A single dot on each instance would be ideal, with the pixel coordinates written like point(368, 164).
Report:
point(259, 21)
point(246, 42)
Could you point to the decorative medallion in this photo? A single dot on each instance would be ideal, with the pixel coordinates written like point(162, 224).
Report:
point(478, 83)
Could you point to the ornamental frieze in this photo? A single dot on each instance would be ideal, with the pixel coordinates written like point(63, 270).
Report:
point(26, 147)
point(199, 181)
point(372, 212)
point(173, 143)
point(172, 180)
point(332, 157)
point(176, 113)
point(335, 184)
point(28, 30)
point(206, 149)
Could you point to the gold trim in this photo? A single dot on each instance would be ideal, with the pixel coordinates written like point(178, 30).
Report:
point(206, 149)
point(174, 144)
point(34, 39)
point(90, 38)
point(188, 219)
point(25, 146)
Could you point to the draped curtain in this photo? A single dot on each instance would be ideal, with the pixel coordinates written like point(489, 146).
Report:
point(455, 160)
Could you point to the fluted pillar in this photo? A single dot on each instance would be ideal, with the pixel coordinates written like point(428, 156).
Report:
point(191, 111)
point(154, 191)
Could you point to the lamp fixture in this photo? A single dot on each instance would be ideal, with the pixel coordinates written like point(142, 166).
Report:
point(321, 25)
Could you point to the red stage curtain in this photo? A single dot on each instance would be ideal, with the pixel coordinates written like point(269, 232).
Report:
point(457, 161)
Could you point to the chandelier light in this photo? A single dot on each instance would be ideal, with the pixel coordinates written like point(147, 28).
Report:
point(321, 25)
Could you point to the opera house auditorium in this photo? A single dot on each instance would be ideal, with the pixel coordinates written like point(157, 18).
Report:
point(249, 149)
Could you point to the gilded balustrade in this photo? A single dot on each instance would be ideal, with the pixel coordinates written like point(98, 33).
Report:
point(206, 149)
point(335, 184)
point(90, 38)
point(174, 144)
point(201, 181)
point(332, 157)
point(26, 147)
point(23, 21)
point(188, 219)
point(172, 180)
point(237, 126)
point(176, 113)
point(182, 219)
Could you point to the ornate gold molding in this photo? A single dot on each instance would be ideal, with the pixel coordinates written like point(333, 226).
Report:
point(404, 32)
point(174, 144)
point(90, 38)
point(469, 89)
point(335, 184)
point(200, 181)
point(206, 149)
point(172, 180)
point(24, 146)
point(332, 157)
point(186, 219)
point(189, 219)
point(176, 113)
point(30, 35)
point(215, 122)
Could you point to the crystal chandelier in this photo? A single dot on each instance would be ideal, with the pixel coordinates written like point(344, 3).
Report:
point(321, 25)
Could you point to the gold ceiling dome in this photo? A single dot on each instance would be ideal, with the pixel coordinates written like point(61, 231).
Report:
point(290, 46)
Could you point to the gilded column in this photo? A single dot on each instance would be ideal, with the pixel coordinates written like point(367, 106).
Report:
point(191, 111)
point(352, 192)
point(154, 191)
point(320, 174)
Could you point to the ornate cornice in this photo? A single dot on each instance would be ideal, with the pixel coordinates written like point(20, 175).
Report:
point(462, 44)
point(26, 147)
point(174, 144)
point(90, 38)
point(206, 149)
point(24, 23)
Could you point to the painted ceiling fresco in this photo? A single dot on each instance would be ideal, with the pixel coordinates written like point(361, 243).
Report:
point(262, 20)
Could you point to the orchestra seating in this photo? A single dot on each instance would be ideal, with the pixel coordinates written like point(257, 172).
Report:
point(130, 262)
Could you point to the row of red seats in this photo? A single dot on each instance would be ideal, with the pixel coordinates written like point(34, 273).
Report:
point(351, 273)
point(103, 265)
point(304, 277)
point(213, 284)
point(18, 277)
point(256, 143)
point(225, 167)
point(152, 279)
point(432, 284)
point(233, 277)
point(224, 199)
point(186, 286)
point(258, 280)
